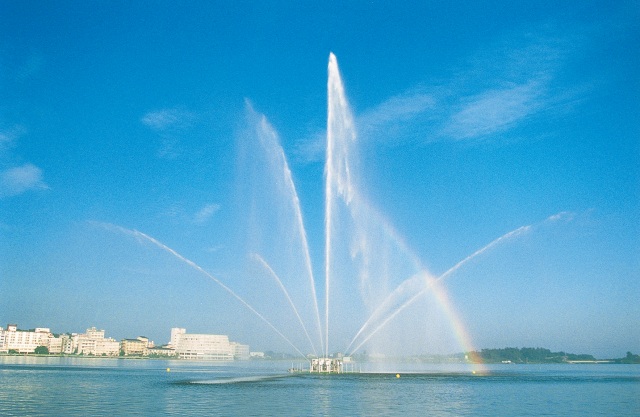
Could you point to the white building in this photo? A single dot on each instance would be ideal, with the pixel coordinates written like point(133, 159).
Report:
point(136, 347)
point(69, 343)
point(93, 333)
point(2, 338)
point(240, 352)
point(175, 336)
point(161, 351)
point(55, 345)
point(206, 346)
point(94, 343)
point(23, 341)
point(62, 344)
point(213, 347)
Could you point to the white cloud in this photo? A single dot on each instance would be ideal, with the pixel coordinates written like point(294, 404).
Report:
point(395, 110)
point(563, 215)
point(17, 180)
point(161, 120)
point(312, 148)
point(494, 111)
point(206, 212)
point(8, 137)
point(169, 148)
point(386, 121)
point(212, 249)
point(169, 124)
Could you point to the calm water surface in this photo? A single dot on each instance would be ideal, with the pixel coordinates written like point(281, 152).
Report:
point(38, 386)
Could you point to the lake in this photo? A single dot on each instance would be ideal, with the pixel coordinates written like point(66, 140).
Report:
point(46, 386)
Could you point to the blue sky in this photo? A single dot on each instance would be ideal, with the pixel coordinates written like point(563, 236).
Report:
point(472, 121)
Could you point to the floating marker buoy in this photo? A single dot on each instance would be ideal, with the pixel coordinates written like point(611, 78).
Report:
point(168, 369)
point(397, 375)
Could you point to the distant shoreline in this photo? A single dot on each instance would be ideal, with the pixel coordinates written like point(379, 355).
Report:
point(435, 359)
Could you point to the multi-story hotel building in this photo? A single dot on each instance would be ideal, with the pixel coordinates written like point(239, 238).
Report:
point(23, 341)
point(206, 346)
point(94, 343)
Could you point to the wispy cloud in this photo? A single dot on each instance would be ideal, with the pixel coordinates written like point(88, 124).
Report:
point(17, 180)
point(213, 249)
point(205, 213)
point(395, 110)
point(387, 121)
point(494, 111)
point(498, 89)
point(180, 212)
point(169, 148)
point(162, 120)
point(397, 118)
point(170, 124)
point(312, 148)
point(8, 137)
point(507, 84)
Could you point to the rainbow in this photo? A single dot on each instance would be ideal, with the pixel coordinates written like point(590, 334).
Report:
point(462, 335)
point(422, 282)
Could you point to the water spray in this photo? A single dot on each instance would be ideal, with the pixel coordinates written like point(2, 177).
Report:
point(142, 236)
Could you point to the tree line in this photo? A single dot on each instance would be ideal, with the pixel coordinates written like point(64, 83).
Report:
point(528, 355)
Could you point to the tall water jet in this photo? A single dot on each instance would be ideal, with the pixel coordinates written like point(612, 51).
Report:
point(364, 256)
point(340, 134)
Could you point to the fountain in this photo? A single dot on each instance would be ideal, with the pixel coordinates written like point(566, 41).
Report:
point(370, 275)
point(364, 258)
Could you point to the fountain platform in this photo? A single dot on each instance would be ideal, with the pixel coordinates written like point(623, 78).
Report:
point(325, 366)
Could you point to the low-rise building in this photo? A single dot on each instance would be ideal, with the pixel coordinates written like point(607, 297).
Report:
point(134, 347)
point(94, 343)
point(161, 351)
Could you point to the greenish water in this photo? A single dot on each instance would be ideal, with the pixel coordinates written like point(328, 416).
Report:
point(40, 386)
